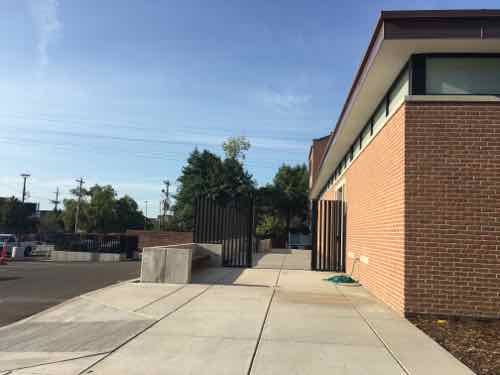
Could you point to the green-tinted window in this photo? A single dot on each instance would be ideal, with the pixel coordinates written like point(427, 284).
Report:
point(463, 75)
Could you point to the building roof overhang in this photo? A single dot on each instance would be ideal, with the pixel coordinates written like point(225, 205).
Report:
point(398, 35)
point(315, 141)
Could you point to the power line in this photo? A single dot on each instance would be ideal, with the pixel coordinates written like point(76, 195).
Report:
point(58, 118)
point(223, 132)
point(140, 140)
point(63, 147)
point(66, 145)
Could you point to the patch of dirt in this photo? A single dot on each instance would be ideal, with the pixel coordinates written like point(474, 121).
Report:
point(474, 342)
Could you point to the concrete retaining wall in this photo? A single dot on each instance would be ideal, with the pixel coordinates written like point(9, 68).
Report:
point(215, 252)
point(81, 256)
point(167, 264)
point(173, 264)
point(43, 250)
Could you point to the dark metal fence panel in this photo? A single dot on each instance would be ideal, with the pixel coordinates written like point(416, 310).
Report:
point(329, 235)
point(314, 226)
point(208, 220)
point(239, 233)
point(97, 243)
point(231, 224)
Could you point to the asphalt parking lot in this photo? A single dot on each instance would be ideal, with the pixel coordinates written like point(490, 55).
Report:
point(28, 287)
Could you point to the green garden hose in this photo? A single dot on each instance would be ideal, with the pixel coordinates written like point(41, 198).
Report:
point(344, 279)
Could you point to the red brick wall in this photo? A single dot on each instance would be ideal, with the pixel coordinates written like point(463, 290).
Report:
point(374, 186)
point(152, 238)
point(453, 208)
point(315, 156)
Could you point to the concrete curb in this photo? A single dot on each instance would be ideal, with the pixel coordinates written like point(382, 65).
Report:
point(71, 300)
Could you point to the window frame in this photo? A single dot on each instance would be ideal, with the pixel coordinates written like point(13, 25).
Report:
point(418, 68)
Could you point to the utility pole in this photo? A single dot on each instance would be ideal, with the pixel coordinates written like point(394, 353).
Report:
point(24, 176)
point(159, 216)
point(56, 201)
point(146, 215)
point(80, 184)
point(166, 202)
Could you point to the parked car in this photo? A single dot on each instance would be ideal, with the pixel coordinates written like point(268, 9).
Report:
point(12, 241)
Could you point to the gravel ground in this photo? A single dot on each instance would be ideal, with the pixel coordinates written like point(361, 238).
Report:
point(27, 287)
point(474, 342)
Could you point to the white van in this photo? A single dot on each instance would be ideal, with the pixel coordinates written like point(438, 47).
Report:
point(12, 241)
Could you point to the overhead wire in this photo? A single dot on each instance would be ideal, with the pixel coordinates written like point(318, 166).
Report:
point(124, 125)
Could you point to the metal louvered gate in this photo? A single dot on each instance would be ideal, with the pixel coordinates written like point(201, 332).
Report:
point(329, 235)
point(231, 224)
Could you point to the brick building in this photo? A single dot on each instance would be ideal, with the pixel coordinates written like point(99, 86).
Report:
point(415, 156)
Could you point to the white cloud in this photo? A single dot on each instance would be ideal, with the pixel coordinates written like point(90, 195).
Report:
point(283, 100)
point(48, 26)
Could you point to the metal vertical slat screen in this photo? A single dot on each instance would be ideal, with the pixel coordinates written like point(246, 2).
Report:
point(329, 263)
point(329, 236)
point(338, 244)
point(232, 225)
point(322, 236)
point(314, 225)
point(225, 231)
point(344, 236)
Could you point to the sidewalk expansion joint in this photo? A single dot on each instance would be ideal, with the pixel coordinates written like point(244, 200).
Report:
point(160, 298)
point(386, 346)
point(259, 338)
point(55, 362)
point(87, 370)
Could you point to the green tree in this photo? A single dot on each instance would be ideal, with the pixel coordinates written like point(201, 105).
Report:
point(236, 147)
point(101, 211)
point(271, 226)
point(203, 173)
point(128, 214)
point(237, 181)
point(51, 222)
point(16, 216)
point(290, 186)
point(68, 214)
point(206, 173)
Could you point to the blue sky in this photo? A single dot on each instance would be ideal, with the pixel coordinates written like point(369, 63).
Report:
point(120, 92)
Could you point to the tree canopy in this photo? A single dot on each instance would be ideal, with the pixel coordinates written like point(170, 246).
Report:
point(236, 147)
point(15, 216)
point(102, 212)
point(292, 184)
point(282, 205)
point(207, 173)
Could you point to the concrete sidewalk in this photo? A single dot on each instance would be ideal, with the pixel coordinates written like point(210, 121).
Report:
point(234, 321)
point(289, 259)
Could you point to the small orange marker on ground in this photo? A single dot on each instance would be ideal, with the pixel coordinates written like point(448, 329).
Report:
point(3, 255)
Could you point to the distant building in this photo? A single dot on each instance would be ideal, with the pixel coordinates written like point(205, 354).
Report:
point(31, 211)
point(31, 207)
